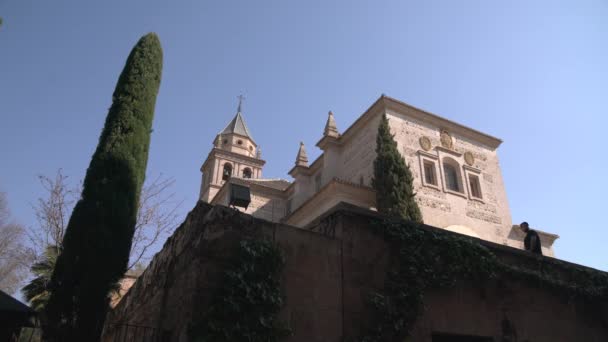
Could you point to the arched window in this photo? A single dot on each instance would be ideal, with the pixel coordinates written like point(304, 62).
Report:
point(227, 171)
point(247, 173)
point(451, 174)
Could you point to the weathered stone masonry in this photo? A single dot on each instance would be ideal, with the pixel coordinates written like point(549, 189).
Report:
point(328, 275)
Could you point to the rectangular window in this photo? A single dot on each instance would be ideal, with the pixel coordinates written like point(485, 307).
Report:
point(429, 173)
point(475, 186)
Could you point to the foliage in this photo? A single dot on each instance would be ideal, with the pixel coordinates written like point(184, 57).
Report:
point(393, 180)
point(156, 215)
point(98, 236)
point(30, 335)
point(37, 291)
point(423, 259)
point(246, 305)
point(581, 283)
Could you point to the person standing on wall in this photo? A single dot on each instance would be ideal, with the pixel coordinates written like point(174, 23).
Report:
point(532, 240)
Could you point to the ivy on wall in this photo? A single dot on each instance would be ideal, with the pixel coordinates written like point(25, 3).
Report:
point(246, 305)
point(423, 259)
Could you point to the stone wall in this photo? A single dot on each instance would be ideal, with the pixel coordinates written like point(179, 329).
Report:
point(490, 218)
point(351, 159)
point(329, 196)
point(266, 204)
point(329, 272)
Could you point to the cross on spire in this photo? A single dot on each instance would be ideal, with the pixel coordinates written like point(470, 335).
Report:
point(241, 98)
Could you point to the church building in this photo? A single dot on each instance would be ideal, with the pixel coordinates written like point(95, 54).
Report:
point(457, 177)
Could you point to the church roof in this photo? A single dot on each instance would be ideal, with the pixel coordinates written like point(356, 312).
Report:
point(238, 126)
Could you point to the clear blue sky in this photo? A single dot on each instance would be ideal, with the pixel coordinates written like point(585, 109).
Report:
point(533, 73)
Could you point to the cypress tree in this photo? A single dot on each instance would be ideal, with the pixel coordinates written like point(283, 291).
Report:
point(100, 231)
point(393, 179)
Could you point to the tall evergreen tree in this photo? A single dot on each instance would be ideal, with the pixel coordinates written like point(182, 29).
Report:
point(393, 179)
point(99, 233)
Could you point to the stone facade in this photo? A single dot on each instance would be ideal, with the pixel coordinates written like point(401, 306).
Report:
point(456, 171)
point(267, 197)
point(329, 272)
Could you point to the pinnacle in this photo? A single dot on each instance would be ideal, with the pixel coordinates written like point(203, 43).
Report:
point(330, 127)
point(302, 158)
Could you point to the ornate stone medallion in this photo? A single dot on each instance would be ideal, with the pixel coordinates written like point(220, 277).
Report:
point(425, 143)
point(446, 139)
point(469, 158)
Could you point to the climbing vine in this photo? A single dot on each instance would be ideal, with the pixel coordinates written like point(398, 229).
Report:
point(246, 305)
point(422, 259)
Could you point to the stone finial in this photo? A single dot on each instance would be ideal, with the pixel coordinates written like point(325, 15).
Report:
point(330, 127)
point(302, 158)
point(218, 141)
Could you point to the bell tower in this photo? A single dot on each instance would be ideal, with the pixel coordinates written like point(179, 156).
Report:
point(234, 154)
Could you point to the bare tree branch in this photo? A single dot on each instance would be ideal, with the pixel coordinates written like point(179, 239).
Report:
point(156, 216)
point(52, 211)
point(14, 256)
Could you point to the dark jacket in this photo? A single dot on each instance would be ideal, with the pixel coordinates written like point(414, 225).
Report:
point(532, 242)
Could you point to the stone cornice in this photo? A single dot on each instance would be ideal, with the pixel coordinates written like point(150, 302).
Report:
point(375, 109)
point(255, 189)
point(258, 187)
point(428, 155)
point(385, 103)
point(322, 192)
point(545, 236)
point(448, 151)
point(326, 141)
point(299, 170)
point(440, 122)
point(238, 157)
point(235, 134)
point(232, 156)
point(470, 168)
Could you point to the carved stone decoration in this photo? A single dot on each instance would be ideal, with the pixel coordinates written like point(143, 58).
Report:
point(425, 143)
point(469, 158)
point(446, 139)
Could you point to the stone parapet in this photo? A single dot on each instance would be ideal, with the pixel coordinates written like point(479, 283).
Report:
point(330, 270)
